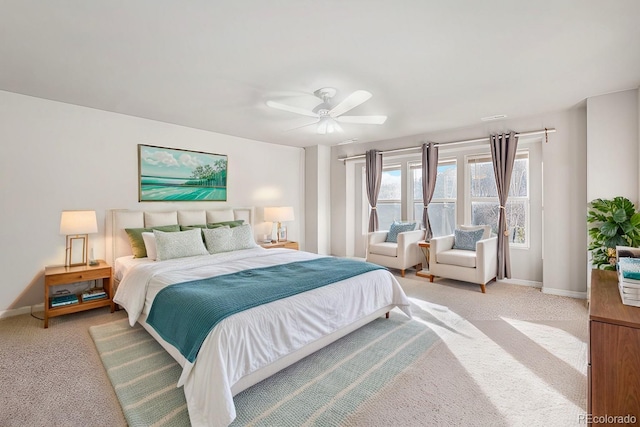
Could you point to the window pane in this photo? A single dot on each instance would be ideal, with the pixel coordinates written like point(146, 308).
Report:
point(488, 213)
point(483, 180)
point(446, 182)
point(485, 213)
point(442, 217)
point(387, 212)
point(391, 185)
point(519, 178)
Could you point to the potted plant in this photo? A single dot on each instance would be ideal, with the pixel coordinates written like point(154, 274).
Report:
point(615, 223)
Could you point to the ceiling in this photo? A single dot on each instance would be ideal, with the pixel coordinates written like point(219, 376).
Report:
point(431, 65)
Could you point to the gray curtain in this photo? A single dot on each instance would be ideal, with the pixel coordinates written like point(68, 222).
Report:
point(429, 173)
point(503, 153)
point(373, 169)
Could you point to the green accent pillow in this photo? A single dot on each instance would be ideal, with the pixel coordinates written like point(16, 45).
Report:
point(191, 227)
point(231, 224)
point(137, 243)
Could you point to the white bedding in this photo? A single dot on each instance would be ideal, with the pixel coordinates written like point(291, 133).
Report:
point(253, 339)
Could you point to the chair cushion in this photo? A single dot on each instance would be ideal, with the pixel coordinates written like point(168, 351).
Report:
point(467, 239)
point(384, 248)
point(399, 227)
point(459, 257)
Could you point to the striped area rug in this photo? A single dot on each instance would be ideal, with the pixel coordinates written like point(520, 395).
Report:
point(322, 389)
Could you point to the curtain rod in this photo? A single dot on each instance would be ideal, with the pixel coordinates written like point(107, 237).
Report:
point(466, 141)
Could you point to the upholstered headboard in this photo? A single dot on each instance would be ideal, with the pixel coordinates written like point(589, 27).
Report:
point(117, 242)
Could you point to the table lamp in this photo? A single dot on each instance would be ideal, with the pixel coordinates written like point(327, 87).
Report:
point(77, 225)
point(279, 214)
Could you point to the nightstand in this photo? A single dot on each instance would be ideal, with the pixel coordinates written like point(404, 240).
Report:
point(286, 245)
point(60, 275)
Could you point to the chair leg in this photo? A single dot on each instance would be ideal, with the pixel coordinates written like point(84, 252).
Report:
point(402, 272)
point(431, 278)
point(483, 287)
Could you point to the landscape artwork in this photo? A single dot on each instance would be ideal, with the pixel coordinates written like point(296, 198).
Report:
point(168, 175)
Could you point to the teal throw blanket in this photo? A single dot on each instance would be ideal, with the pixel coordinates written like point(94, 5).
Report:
point(183, 314)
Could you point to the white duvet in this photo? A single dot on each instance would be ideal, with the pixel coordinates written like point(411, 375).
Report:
point(255, 338)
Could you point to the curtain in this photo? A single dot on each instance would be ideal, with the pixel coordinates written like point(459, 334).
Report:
point(373, 169)
point(429, 173)
point(503, 154)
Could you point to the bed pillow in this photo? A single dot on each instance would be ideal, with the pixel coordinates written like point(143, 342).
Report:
point(226, 239)
point(467, 240)
point(150, 245)
point(398, 227)
point(179, 244)
point(218, 239)
point(191, 227)
point(137, 243)
point(230, 224)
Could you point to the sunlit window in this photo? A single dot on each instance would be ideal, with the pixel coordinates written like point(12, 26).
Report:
point(485, 207)
point(442, 209)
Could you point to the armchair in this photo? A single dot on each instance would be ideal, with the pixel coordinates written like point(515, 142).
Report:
point(401, 255)
point(479, 266)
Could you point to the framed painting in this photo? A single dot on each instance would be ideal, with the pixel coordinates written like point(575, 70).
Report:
point(172, 175)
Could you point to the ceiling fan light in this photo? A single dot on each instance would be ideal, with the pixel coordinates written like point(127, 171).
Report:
point(322, 127)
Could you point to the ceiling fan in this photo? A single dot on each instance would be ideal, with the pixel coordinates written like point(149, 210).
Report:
point(330, 116)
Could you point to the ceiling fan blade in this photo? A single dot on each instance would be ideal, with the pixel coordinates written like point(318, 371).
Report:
point(300, 127)
point(291, 109)
point(365, 120)
point(351, 101)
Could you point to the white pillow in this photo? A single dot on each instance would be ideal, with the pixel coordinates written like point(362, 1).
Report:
point(225, 239)
point(150, 244)
point(218, 239)
point(242, 236)
point(179, 244)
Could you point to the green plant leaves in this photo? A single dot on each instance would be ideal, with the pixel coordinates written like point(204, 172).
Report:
point(616, 223)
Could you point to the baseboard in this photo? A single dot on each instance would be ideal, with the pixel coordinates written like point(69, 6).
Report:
point(565, 293)
point(21, 310)
point(522, 282)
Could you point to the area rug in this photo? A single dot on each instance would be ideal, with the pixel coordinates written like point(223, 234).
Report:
point(322, 389)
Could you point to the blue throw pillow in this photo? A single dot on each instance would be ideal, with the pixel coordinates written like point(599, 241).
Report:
point(467, 239)
point(398, 227)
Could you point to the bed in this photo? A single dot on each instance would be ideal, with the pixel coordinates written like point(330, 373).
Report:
point(251, 345)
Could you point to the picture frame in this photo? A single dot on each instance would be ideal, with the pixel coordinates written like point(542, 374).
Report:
point(282, 234)
point(177, 175)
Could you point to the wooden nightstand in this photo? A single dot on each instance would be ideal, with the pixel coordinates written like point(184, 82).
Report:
point(60, 275)
point(286, 245)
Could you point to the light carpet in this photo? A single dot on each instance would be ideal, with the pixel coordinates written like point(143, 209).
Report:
point(324, 389)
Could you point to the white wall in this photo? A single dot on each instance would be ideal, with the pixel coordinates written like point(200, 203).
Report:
point(563, 161)
point(612, 146)
point(58, 156)
point(317, 199)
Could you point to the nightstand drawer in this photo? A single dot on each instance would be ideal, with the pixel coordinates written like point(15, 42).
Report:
point(78, 276)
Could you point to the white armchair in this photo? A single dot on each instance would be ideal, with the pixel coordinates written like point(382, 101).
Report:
point(479, 266)
point(401, 255)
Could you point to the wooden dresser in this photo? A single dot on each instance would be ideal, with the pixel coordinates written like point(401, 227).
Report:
point(613, 371)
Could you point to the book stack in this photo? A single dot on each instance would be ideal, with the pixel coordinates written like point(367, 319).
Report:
point(61, 300)
point(94, 294)
point(629, 280)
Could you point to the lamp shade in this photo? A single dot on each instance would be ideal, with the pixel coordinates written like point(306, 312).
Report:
point(278, 214)
point(78, 222)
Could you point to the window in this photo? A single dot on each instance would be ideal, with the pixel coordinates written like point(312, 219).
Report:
point(442, 209)
point(389, 205)
point(484, 197)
